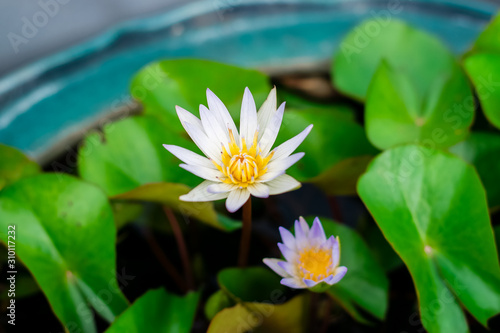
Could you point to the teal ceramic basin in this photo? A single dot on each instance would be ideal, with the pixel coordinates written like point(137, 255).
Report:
point(53, 99)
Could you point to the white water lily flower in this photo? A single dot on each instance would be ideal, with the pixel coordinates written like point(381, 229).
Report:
point(238, 164)
point(312, 260)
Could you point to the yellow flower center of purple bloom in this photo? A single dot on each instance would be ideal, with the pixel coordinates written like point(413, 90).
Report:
point(315, 263)
point(242, 166)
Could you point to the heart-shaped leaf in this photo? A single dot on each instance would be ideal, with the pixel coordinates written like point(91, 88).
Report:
point(337, 150)
point(164, 84)
point(15, 165)
point(131, 163)
point(497, 236)
point(365, 285)
point(290, 317)
point(483, 151)
point(483, 70)
point(419, 56)
point(396, 113)
point(432, 208)
point(65, 235)
point(130, 154)
point(489, 39)
point(216, 303)
point(158, 311)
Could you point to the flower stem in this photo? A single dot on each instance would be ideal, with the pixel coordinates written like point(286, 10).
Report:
point(163, 260)
point(246, 233)
point(181, 245)
point(326, 317)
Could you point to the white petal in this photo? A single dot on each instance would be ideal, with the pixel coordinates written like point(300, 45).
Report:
point(285, 163)
point(259, 190)
point(287, 238)
point(310, 283)
point(304, 225)
point(273, 264)
point(188, 157)
point(288, 267)
point(282, 184)
point(336, 252)
point(293, 283)
point(220, 188)
point(317, 234)
point(288, 147)
point(248, 118)
point(216, 105)
point(266, 111)
point(289, 254)
point(237, 199)
point(301, 235)
point(271, 130)
point(339, 274)
point(212, 127)
point(270, 175)
point(187, 117)
point(200, 138)
point(202, 172)
point(200, 193)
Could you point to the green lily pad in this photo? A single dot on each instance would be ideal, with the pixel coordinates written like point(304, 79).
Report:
point(252, 284)
point(163, 85)
point(489, 39)
point(420, 56)
point(65, 235)
point(497, 236)
point(14, 165)
point(337, 150)
point(290, 317)
point(216, 303)
point(168, 194)
point(158, 311)
point(483, 151)
point(431, 207)
point(125, 212)
point(130, 154)
point(396, 113)
point(483, 70)
point(365, 285)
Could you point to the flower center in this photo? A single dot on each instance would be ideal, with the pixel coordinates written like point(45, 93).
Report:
point(242, 166)
point(315, 263)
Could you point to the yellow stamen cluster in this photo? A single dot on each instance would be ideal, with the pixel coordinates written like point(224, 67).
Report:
point(242, 166)
point(315, 263)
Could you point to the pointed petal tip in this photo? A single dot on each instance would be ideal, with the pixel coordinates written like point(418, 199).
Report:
point(310, 283)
